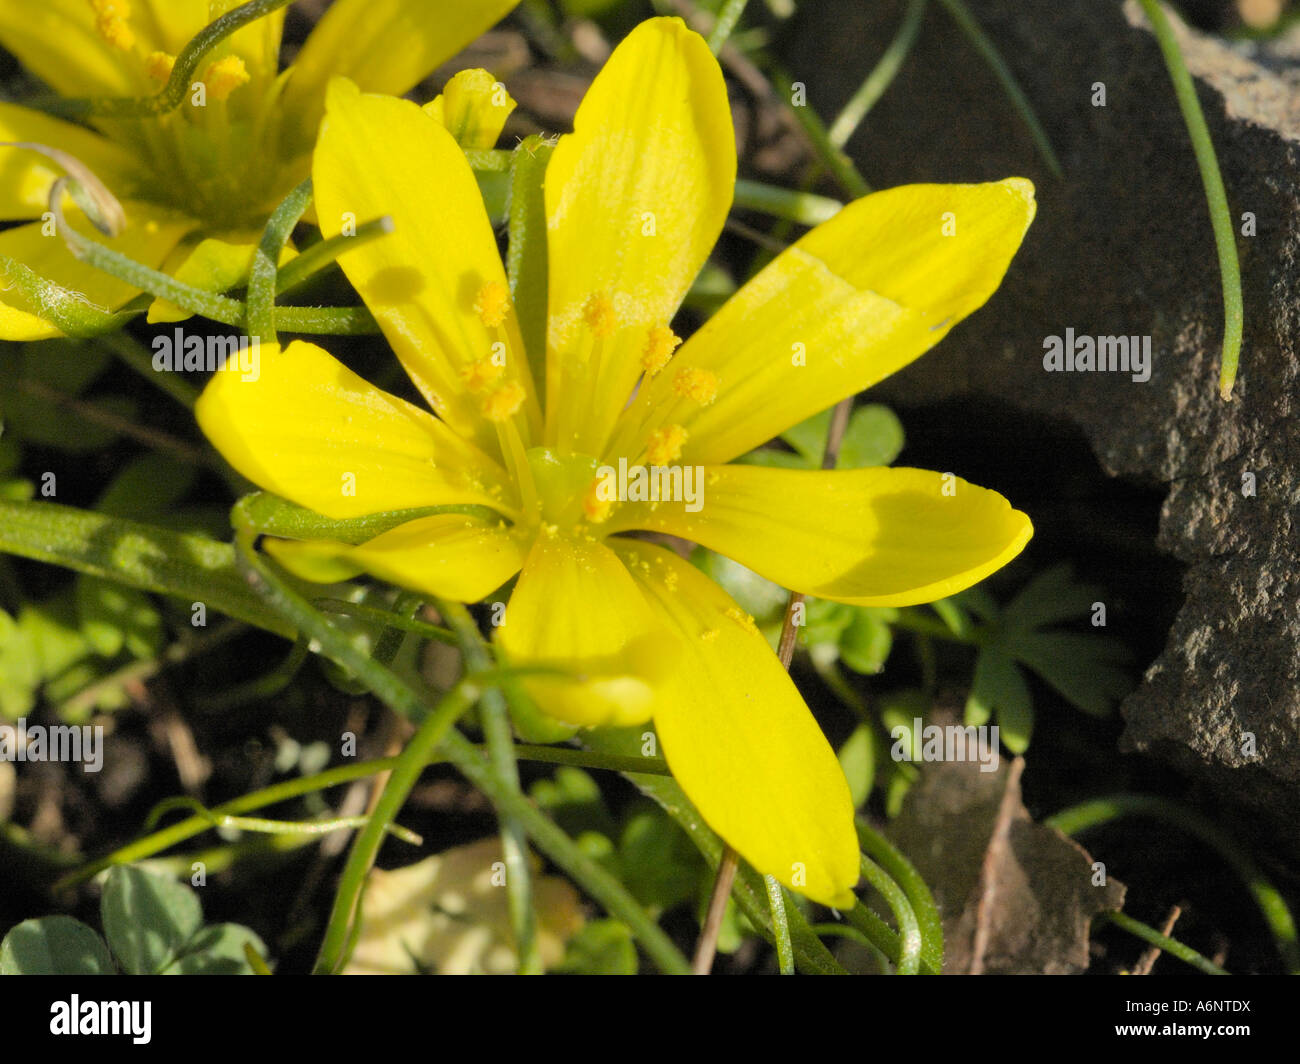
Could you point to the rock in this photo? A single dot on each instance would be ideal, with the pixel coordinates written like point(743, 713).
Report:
point(1123, 247)
point(1016, 898)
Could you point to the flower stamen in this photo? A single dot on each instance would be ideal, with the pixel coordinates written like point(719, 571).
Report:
point(665, 445)
point(600, 316)
point(700, 385)
point(225, 75)
point(481, 374)
point(158, 65)
point(492, 303)
point(112, 23)
point(659, 348)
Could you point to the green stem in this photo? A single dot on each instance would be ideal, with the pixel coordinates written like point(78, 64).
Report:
point(178, 85)
point(387, 617)
point(262, 826)
point(806, 208)
point(563, 755)
point(901, 870)
point(335, 321)
point(262, 275)
point(881, 77)
point(780, 926)
point(1216, 197)
point(1270, 902)
point(168, 837)
point(410, 764)
point(725, 23)
point(966, 22)
point(839, 165)
point(1170, 945)
point(320, 254)
point(501, 752)
point(910, 941)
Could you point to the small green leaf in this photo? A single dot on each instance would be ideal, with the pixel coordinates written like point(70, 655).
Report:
point(603, 947)
point(54, 945)
point(1049, 598)
point(217, 950)
point(574, 801)
point(1086, 670)
point(146, 487)
point(756, 595)
point(858, 760)
point(113, 616)
point(999, 687)
point(874, 437)
point(865, 644)
point(148, 918)
point(660, 866)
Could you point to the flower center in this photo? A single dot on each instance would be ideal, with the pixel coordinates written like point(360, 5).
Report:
point(563, 487)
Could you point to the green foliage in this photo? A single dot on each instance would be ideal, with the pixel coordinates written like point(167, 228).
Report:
point(154, 926)
point(1085, 669)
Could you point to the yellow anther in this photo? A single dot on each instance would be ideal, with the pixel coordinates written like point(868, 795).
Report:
point(600, 316)
point(599, 500)
point(479, 376)
point(114, 28)
point(159, 65)
point(504, 402)
point(665, 445)
point(111, 21)
point(659, 348)
point(224, 76)
point(698, 384)
point(742, 618)
point(492, 303)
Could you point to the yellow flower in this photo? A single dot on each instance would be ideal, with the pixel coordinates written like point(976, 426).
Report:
point(217, 165)
point(644, 635)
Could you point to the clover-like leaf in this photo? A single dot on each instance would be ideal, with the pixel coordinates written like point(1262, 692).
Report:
point(148, 918)
point(54, 945)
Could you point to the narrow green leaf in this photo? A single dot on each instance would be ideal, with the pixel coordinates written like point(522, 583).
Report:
point(526, 259)
point(191, 567)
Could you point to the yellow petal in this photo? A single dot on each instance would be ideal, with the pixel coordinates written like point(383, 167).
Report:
point(576, 608)
point(26, 176)
point(313, 432)
point(168, 25)
point(740, 740)
point(635, 199)
point(384, 46)
point(855, 300)
point(149, 237)
point(473, 108)
point(382, 156)
point(452, 556)
point(57, 40)
point(870, 537)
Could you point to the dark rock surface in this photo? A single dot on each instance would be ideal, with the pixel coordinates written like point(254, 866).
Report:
point(1123, 246)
